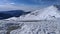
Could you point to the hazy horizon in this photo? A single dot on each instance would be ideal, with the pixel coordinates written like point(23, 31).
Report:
point(26, 4)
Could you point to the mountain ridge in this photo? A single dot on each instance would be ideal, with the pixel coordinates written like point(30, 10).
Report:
point(45, 13)
point(48, 13)
point(12, 13)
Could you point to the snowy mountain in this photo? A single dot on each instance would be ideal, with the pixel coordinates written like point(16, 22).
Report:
point(57, 6)
point(45, 26)
point(12, 18)
point(48, 13)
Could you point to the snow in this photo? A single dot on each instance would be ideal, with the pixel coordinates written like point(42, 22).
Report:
point(49, 26)
point(12, 18)
point(3, 31)
point(48, 13)
point(45, 13)
point(43, 27)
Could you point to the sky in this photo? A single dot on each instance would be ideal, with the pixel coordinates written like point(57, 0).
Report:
point(26, 4)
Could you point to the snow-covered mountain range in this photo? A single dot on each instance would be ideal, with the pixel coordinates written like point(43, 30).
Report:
point(48, 13)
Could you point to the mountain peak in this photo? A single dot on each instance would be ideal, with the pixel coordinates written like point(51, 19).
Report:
point(57, 6)
point(45, 13)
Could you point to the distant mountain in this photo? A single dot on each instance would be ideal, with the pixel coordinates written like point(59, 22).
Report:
point(12, 13)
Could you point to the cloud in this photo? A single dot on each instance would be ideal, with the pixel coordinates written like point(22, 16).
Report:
point(12, 3)
point(25, 4)
point(9, 5)
point(20, 7)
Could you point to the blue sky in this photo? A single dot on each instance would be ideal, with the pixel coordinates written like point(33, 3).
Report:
point(29, 3)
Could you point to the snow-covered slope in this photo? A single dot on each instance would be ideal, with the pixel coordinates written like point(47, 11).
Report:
point(46, 13)
point(12, 18)
point(42, 27)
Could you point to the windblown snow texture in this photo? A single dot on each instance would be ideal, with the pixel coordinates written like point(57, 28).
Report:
point(48, 13)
